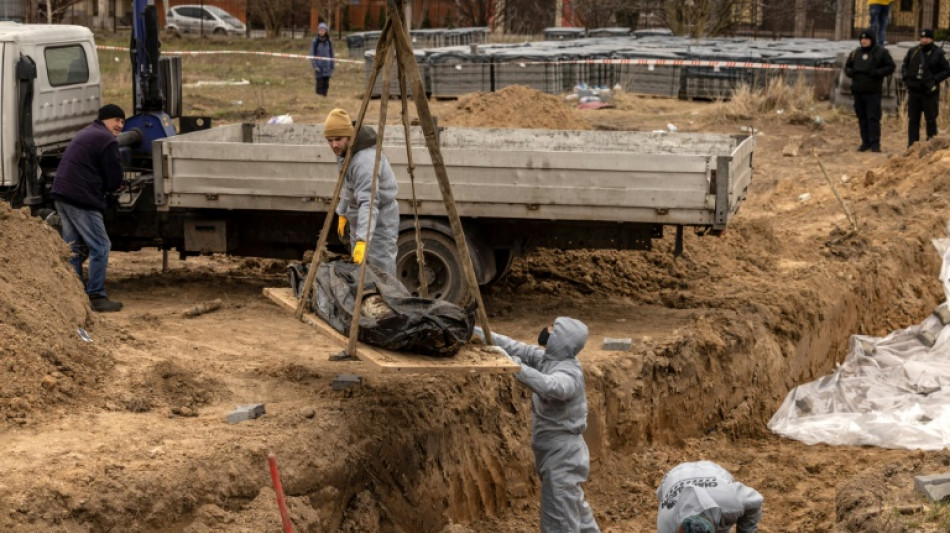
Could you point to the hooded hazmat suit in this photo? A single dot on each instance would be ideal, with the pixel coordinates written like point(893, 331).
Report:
point(559, 418)
point(355, 202)
point(705, 488)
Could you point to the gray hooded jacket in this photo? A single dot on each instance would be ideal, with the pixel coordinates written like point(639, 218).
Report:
point(559, 417)
point(707, 489)
point(355, 202)
point(559, 402)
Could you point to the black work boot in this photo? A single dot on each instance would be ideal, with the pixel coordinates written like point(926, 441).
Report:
point(102, 304)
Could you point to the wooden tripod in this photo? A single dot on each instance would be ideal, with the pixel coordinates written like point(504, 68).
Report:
point(394, 42)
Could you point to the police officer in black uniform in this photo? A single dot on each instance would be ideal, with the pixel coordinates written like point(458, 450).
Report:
point(925, 67)
point(867, 66)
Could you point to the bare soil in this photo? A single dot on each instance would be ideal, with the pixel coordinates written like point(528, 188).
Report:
point(128, 432)
point(515, 104)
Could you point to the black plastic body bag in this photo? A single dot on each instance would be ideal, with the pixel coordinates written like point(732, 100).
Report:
point(403, 322)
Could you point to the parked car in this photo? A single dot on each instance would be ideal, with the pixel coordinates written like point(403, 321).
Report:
point(203, 19)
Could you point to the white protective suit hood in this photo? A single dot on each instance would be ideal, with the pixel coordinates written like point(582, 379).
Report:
point(567, 339)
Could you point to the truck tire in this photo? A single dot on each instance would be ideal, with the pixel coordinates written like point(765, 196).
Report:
point(444, 271)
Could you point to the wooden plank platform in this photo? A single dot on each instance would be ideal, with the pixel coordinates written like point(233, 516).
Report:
point(470, 359)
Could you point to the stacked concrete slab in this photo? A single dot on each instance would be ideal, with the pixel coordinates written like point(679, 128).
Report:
point(361, 42)
point(558, 65)
point(455, 72)
point(394, 82)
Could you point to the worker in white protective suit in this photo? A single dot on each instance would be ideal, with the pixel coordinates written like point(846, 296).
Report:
point(702, 497)
point(373, 240)
point(559, 418)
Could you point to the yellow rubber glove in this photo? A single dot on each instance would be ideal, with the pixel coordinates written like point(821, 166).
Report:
point(341, 226)
point(359, 252)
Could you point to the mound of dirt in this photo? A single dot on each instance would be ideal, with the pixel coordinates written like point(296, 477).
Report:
point(43, 359)
point(515, 106)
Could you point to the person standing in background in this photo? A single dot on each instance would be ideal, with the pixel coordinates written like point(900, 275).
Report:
point(322, 47)
point(867, 66)
point(925, 67)
point(879, 11)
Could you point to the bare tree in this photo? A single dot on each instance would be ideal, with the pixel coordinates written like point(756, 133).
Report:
point(276, 14)
point(523, 17)
point(36, 10)
point(598, 13)
point(472, 12)
point(702, 18)
point(327, 11)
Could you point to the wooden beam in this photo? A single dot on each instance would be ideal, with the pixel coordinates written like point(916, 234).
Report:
point(406, 62)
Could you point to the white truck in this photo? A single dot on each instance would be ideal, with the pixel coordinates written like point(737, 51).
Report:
point(264, 190)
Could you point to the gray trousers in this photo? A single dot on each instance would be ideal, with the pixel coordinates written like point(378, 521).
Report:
point(563, 464)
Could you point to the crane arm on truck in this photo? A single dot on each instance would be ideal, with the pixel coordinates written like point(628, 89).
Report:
point(150, 117)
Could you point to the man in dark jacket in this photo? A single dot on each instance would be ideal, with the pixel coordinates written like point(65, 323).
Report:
point(322, 47)
point(867, 66)
point(558, 420)
point(89, 171)
point(925, 67)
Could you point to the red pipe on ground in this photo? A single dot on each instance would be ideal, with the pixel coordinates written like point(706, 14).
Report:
point(279, 489)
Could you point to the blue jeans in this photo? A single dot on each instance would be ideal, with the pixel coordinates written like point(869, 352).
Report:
point(879, 15)
point(85, 232)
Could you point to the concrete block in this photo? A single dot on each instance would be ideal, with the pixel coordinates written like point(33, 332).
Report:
point(343, 381)
point(938, 493)
point(934, 479)
point(618, 345)
point(943, 313)
point(926, 338)
point(936, 487)
point(246, 412)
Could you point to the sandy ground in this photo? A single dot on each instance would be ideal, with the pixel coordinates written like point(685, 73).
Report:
point(128, 432)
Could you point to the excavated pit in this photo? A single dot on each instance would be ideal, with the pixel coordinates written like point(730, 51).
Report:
point(721, 334)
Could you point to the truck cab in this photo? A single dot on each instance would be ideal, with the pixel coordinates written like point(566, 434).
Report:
point(50, 91)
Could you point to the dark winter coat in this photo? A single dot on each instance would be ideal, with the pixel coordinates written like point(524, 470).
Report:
point(322, 48)
point(924, 68)
point(867, 68)
point(90, 168)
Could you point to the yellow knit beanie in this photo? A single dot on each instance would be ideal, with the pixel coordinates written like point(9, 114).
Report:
point(338, 124)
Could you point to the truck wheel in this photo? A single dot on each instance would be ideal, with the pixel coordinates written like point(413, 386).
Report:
point(443, 268)
point(220, 31)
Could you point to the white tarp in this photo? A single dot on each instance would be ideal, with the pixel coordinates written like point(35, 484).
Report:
point(892, 392)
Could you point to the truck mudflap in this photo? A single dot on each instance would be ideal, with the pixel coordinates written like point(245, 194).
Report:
point(29, 190)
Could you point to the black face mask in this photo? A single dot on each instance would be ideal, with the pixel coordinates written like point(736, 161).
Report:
point(543, 337)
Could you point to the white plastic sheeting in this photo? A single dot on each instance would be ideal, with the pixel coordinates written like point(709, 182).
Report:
point(892, 392)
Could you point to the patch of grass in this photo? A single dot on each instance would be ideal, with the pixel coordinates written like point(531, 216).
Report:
point(939, 513)
point(277, 85)
point(794, 103)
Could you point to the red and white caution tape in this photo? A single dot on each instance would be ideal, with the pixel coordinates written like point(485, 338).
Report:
point(649, 63)
point(237, 52)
